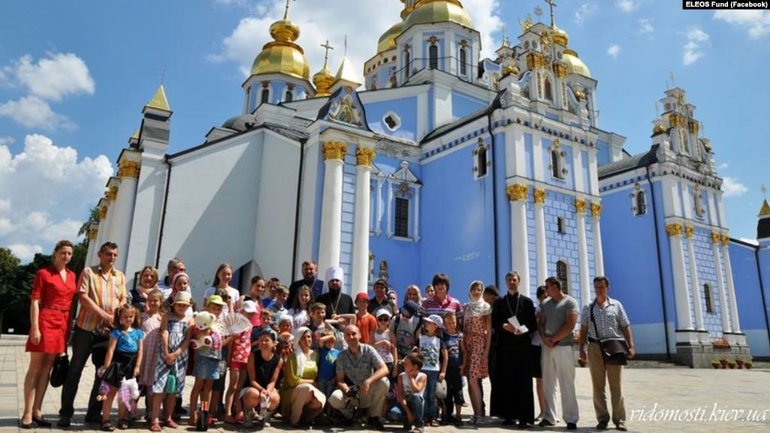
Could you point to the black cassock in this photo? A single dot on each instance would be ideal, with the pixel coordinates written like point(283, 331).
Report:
point(512, 397)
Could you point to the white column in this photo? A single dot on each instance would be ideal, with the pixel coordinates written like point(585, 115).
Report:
point(694, 282)
point(517, 194)
point(359, 281)
point(331, 206)
point(723, 309)
point(124, 211)
point(108, 214)
point(541, 253)
point(596, 212)
point(730, 285)
point(416, 221)
point(684, 321)
point(580, 215)
point(93, 233)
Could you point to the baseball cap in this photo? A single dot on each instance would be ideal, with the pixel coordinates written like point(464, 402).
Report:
point(249, 307)
point(362, 297)
point(216, 300)
point(435, 319)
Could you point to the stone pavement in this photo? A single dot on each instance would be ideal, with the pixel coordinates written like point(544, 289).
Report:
point(657, 399)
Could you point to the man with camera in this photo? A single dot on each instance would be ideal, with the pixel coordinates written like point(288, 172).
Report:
point(361, 380)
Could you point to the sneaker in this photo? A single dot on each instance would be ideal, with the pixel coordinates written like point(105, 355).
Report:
point(64, 422)
point(602, 425)
point(571, 426)
point(621, 426)
point(375, 424)
point(545, 423)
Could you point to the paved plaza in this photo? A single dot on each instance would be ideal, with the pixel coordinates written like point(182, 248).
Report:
point(667, 399)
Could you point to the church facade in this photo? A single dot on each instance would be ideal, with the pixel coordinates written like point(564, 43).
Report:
point(445, 162)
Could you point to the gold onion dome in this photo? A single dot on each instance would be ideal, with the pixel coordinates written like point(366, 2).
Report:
point(282, 56)
point(323, 80)
point(560, 37)
point(387, 41)
point(658, 129)
point(574, 64)
point(438, 11)
point(511, 70)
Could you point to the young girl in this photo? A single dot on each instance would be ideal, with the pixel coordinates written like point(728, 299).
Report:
point(409, 393)
point(384, 340)
point(434, 353)
point(172, 359)
point(264, 368)
point(123, 361)
point(239, 357)
point(206, 364)
point(413, 294)
point(300, 309)
point(453, 340)
point(151, 328)
point(478, 337)
point(222, 278)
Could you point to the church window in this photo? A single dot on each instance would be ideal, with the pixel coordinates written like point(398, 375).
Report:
point(433, 56)
point(697, 197)
point(392, 121)
point(558, 165)
point(548, 91)
point(463, 61)
point(265, 96)
point(561, 225)
point(407, 62)
point(289, 96)
point(638, 200)
point(480, 160)
point(402, 217)
point(562, 274)
point(707, 295)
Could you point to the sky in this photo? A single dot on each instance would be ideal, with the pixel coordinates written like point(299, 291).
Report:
point(74, 77)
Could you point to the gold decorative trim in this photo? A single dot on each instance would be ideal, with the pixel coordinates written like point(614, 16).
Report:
point(596, 210)
point(365, 156)
point(689, 231)
point(92, 232)
point(715, 237)
point(676, 120)
point(536, 60)
point(725, 239)
point(694, 127)
point(335, 150)
point(129, 169)
point(580, 206)
point(560, 70)
point(517, 191)
point(112, 193)
point(539, 194)
point(102, 213)
point(674, 229)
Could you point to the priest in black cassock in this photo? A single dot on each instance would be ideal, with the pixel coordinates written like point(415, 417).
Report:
point(512, 397)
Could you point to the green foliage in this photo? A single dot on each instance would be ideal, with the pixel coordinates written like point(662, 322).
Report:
point(9, 275)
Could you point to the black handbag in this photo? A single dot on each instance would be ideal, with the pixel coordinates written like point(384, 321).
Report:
point(614, 350)
point(61, 366)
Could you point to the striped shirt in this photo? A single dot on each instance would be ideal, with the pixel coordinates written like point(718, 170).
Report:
point(108, 291)
point(610, 320)
point(450, 305)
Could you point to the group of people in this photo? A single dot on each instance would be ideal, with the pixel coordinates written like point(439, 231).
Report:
point(312, 353)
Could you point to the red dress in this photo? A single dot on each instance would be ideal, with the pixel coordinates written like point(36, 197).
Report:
point(55, 300)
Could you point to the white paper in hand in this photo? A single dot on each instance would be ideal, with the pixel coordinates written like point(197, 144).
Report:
point(516, 325)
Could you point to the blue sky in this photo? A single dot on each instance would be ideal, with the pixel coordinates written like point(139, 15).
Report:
point(74, 77)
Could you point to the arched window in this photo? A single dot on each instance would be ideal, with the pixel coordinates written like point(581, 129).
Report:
point(697, 197)
point(638, 200)
point(289, 96)
point(401, 223)
point(556, 164)
point(265, 96)
point(407, 62)
point(463, 61)
point(548, 92)
point(562, 274)
point(433, 56)
point(707, 295)
point(480, 160)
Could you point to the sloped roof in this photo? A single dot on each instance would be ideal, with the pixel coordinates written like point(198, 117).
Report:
point(627, 164)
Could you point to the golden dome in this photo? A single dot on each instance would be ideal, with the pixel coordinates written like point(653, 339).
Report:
point(323, 80)
point(510, 70)
point(658, 129)
point(574, 64)
point(560, 37)
point(282, 56)
point(387, 41)
point(438, 11)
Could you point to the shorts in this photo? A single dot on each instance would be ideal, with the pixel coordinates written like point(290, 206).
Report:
point(237, 366)
point(537, 366)
point(206, 368)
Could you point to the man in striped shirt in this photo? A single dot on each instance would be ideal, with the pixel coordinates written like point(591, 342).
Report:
point(441, 303)
point(101, 291)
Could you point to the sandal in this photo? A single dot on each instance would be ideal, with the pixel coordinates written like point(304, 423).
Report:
point(433, 423)
point(170, 423)
point(156, 427)
point(122, 424)
point(107, 426)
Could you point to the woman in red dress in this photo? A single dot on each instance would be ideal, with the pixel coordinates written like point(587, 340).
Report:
point(49, 313)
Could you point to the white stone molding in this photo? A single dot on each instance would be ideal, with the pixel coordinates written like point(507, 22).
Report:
point(597, 234)
point(681, 296)
point(360, 275)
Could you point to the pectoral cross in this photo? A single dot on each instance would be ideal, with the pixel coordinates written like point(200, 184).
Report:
point(326, 47)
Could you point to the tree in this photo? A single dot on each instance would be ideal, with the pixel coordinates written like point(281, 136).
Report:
point(93, 218)
point(9, 272)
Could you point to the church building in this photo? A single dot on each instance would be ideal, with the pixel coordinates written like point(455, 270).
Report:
point(441, 161)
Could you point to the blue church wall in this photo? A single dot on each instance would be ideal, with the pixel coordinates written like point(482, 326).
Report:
point(529, 156)
point(456, 210)
point(584, 168)
point(561, 246)
point(462, 105)
point(751, 307)
point(656, 205)
point(635, 280)
point(319, 194)
point(442, 54)
point(602, 152)
point(498, 152)
point(405, 108)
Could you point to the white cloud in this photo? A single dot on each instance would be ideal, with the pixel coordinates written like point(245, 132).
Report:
point(755, 22)
point(54, 77)
point(7, 141)
point(625, 5)
point(320, 21)
point(65, 188)
point(693, 48)
point(733, 188)
point(613, 51)
point(749, 241)
point(25, 252)
point(645, 26)
point(723, 166)
point(34, 112)
point(584, 11)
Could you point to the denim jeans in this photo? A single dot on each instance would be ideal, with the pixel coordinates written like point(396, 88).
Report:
point(84, 344)
point(431, 408)
point(416, 404)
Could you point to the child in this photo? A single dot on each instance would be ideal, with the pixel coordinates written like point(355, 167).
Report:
point(151, 320)
point(434, 353)
point(453, 340)
point(327, 359)
point(429, 291)
point(256, 291)
point(278, 306)
point(300, 310)
point(410, 389)
point(405, 329)
point(172, 361)
point(259, 392)
point(284, 323)
point(207, 357)
point(123, 361)
point(364, 320)
point(384, 341)
point(317, 323)
point(241, 348)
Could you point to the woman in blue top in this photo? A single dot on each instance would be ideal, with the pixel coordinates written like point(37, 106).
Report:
point(123, 361)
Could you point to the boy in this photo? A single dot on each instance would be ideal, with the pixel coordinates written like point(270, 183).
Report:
point(409, 394)
point(278, 306)
point(364, 320)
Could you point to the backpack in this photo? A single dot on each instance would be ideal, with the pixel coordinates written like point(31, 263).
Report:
point(405, 343)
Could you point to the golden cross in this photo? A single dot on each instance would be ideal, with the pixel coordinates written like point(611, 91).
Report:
point(551, 5)
point(764, 191)
point(326, 47)
point(673, 79)
point(286, 11)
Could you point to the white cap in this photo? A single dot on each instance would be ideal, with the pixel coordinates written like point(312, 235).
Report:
point(249, 306)
point(383, 312)
point(435, 319)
